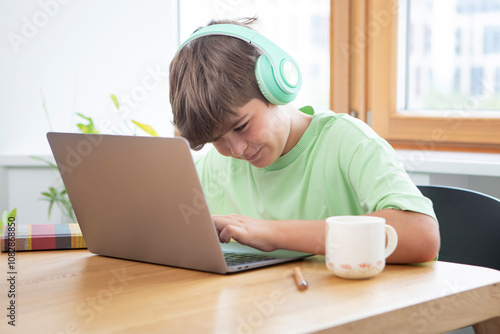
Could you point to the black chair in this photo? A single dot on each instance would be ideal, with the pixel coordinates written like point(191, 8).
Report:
point(469, 224)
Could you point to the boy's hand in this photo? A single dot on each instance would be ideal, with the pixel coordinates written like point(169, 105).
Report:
point(248, 231)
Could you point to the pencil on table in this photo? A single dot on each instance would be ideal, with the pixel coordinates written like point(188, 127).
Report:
point(299, 279)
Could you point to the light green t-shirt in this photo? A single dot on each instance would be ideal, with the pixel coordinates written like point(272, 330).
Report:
point(340, 166)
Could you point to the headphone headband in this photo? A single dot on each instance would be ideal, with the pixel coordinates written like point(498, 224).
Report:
point(277, 72)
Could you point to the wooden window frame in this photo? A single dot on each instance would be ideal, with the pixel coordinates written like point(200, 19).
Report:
point(364, 84)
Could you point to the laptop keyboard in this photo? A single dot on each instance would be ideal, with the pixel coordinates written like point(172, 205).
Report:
point(234, 259)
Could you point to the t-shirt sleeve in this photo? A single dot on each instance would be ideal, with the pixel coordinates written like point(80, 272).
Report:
point(380, 180)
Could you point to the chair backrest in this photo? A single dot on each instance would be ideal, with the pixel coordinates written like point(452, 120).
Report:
point(469, 224)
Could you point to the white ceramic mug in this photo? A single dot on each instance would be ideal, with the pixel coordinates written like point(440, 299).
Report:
point(356, 245)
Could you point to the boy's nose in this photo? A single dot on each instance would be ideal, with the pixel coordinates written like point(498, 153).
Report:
point(237, 146)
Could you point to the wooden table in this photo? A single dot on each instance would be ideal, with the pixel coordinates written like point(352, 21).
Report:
point(75, 291)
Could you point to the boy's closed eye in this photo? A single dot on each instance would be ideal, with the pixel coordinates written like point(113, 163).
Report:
point(237, 129)
point(241, 127)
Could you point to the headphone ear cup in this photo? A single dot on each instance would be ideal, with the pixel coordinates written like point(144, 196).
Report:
point(268, 85)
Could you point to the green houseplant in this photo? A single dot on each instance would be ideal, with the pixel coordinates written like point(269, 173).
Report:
point(57, 195)
point(6, 217)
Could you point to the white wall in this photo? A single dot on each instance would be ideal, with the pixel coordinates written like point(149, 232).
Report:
point(78, 52)
point(475, 171)
point(489, 185)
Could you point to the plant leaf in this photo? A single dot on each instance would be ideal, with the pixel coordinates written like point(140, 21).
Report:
point(115, 101)
point(146, 128)
point(5, 217)
point(50, 207)
point(89, 128)
point(85, 117)
point(50, 163)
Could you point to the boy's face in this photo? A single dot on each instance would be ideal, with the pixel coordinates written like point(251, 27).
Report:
point(259, 134)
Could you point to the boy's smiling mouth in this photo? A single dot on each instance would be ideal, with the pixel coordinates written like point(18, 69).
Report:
point(254, 156)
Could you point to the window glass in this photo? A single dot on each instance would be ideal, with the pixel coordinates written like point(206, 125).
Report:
point(451, 52)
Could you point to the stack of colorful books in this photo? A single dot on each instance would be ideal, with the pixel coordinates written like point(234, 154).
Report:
point(44, 237)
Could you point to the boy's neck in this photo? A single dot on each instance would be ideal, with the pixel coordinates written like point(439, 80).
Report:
point(299, 122)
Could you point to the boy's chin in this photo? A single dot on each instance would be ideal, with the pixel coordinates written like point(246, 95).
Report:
point(258, 165)
point(262, 163)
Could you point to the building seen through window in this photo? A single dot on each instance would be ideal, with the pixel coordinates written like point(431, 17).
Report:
point(452, 55)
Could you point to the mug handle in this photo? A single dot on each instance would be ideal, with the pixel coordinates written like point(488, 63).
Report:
point(392, 240)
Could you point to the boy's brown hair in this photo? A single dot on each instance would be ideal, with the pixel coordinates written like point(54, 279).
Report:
point(210, 77)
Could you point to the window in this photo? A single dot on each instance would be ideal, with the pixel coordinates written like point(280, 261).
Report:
point(441, 58)
point(491, 42)
point(458, 41)
point(497, 80)
point(476, 81)
point(427, 85)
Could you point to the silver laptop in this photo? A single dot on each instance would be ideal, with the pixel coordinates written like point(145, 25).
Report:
point(140, 198)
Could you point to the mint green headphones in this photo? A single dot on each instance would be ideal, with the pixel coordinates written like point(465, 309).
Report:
point(278, 75)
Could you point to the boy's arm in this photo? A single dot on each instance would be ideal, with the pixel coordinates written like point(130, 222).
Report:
point(418, 234)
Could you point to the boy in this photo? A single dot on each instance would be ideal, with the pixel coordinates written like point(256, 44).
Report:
point(277, 173)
